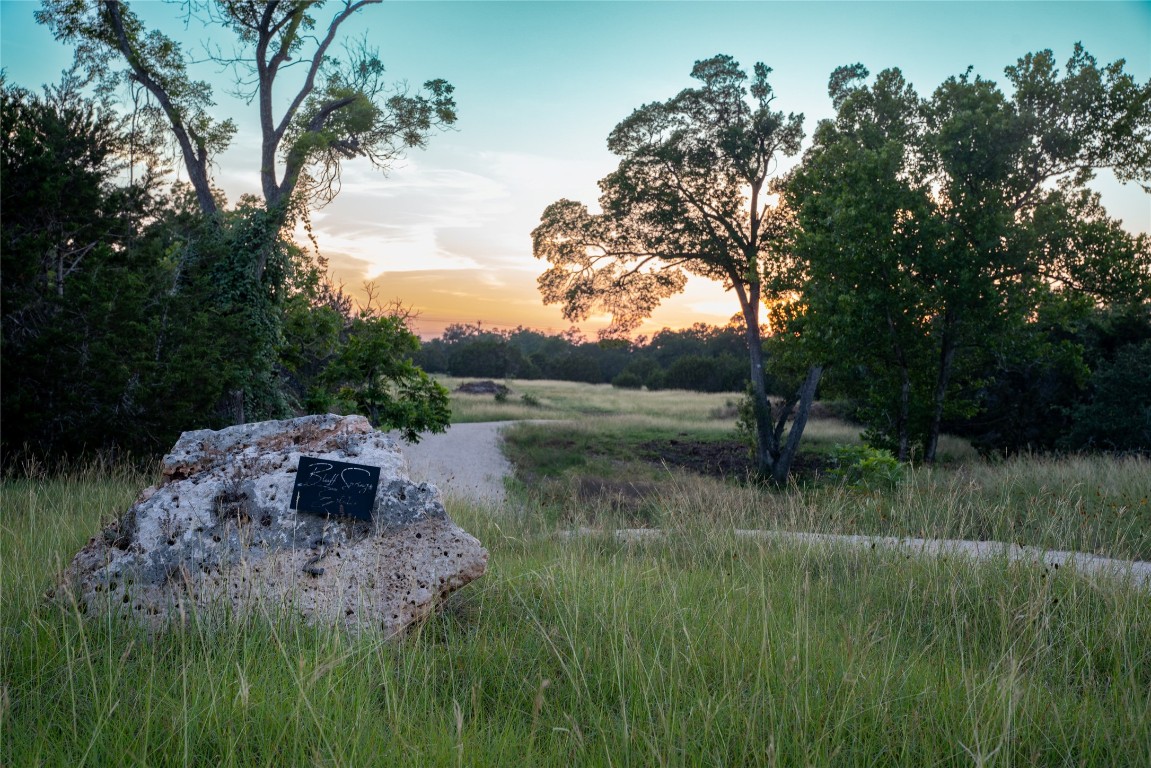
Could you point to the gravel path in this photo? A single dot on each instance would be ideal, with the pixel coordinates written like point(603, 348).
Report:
point(466, 462)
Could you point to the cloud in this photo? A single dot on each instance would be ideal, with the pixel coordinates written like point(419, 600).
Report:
point(415, 218)
point(448, 210)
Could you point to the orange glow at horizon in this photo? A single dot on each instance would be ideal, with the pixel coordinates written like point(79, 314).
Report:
point(508, 298)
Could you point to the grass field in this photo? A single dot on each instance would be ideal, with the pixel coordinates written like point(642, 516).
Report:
point(597, 469)
point(698, 648)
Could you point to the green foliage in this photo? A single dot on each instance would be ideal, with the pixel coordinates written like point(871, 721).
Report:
point(627, 380)
point(745, 419)
point(222, 348)
point(725, 373)
point(933, 232)
point(861, 466)
point(702, 358)
point(129, 316)
point(75, 281)
point(1028, 398)
point(1118, 415)
point(373, 370)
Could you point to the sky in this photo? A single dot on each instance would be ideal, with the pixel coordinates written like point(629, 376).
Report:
point(539, 85)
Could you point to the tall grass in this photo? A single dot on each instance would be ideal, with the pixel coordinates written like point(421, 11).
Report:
point(572, 400)
point(696, 649)
point(45, 519)
point(592, 473)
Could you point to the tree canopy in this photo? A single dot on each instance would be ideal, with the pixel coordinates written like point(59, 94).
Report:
point(932, 230)
point(131, 314)
point(342, 109)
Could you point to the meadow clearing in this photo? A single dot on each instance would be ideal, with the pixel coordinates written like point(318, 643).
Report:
point(697, 648)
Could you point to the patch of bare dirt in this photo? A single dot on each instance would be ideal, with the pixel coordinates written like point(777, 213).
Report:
point(727, 459)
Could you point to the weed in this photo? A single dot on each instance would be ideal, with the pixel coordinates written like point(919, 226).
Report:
point(697, 647)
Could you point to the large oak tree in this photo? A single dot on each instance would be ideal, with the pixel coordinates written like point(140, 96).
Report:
point(690, 196)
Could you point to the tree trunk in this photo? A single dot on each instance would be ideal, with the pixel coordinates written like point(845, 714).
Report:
point(902, 425)
point(191, 146)
point(903, 419)
point(766, 448)
point(236, 406)
point(946, 361)
point(806, 396)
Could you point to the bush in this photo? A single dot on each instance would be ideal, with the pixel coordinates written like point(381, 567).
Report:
point(861, 466)
point(745, 428)
point(627, 380)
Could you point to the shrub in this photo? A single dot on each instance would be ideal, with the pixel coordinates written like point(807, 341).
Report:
point(745, 420)
point(627, 380)
point(861, 466)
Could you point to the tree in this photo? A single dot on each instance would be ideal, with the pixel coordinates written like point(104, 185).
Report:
point(73, 283)
point(690, 195)
point(340, 110)
point(343, 359)
point(932, 230)
point(1029, 400)
point(1118, 415)
point(374, 371)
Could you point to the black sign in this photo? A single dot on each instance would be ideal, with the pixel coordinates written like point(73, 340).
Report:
point(326, 487)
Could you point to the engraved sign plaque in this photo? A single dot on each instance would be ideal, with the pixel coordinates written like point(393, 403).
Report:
point(335, 488)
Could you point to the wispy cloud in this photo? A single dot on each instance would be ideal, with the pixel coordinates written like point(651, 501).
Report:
point(414, 218)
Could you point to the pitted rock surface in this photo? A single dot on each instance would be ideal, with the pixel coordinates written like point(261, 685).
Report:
point(217, 531)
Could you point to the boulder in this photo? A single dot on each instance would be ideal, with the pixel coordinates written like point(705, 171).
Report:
point(217, 531)
point(485, 387)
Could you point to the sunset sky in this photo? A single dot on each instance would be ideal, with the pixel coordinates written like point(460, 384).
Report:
point(541, 84)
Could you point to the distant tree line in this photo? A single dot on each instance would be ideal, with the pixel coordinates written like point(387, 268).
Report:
point(703, 358)
point(1083, 384)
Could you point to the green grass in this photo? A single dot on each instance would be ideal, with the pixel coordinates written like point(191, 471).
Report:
point(600, 472)
point(1095, 505)
point(699, 649)
point(695, 648)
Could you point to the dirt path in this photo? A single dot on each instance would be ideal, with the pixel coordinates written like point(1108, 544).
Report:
point(1138, 572)
point(466, 462)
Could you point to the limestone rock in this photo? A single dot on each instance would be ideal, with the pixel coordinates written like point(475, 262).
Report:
point(217, 531)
